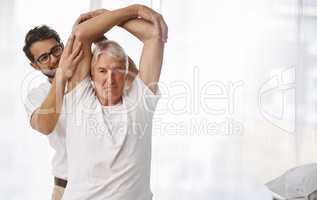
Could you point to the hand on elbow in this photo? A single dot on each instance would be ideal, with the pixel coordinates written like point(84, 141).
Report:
point(160, 29)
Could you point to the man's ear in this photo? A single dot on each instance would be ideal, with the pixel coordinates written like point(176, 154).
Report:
point(35, 66)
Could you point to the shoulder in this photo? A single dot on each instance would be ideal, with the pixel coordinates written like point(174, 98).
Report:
point(140, 94)
point(80, 93)
point(138, 87)
point(42, 88)
point(35, 97)
point(38, 93)
point(82, 86)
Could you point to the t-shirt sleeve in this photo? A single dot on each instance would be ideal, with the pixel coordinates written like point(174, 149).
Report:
point(34, 100)
point(78, 94)
point(141, 92)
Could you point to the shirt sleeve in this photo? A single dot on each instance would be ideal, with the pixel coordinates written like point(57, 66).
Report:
point(78, 94)
point(34, 100)
point(140, 92)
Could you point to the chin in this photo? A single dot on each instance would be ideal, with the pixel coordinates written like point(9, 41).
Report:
point(113, 96)
point(50, 73)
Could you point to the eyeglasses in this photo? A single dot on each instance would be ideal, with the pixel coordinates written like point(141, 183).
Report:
point(56, 51)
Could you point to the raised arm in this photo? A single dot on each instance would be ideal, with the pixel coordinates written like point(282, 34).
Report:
point(151, 24)
point(151, 62)
point(152, 31)
point(139, 27)
point(95, 27)
point(91, 30)
point(44, 118)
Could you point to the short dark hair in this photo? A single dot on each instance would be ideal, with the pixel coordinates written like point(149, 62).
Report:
point(37, 34)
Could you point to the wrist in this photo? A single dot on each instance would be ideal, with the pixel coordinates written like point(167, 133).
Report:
point(60, 75)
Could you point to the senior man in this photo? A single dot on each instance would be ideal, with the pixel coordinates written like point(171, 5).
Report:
point(44, 104)
point(109, 125)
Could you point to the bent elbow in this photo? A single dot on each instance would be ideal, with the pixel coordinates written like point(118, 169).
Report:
point(44, 131)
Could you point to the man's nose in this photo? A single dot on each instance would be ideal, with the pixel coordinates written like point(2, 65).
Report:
point(53, 60)
point(110, 77)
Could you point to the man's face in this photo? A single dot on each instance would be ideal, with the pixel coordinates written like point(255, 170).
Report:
point(108, 75)
point(46, 55)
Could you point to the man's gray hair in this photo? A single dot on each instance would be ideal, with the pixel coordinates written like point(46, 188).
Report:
point(112, 49)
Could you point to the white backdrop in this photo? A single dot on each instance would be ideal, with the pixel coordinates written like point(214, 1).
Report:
point(239, 95)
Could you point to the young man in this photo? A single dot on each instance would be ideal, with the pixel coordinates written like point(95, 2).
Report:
point(44, 49)
point(44, 104)
point(109, 126)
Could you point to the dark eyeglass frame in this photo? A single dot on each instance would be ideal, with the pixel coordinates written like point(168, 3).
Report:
point(53, 52)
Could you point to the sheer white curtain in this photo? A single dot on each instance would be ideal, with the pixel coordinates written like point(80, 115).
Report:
point(226, 51)
point(307, 85)
point(238, 88)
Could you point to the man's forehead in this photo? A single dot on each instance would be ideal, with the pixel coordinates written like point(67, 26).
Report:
point(116, 65)
point(106, 61)
point(42, 46)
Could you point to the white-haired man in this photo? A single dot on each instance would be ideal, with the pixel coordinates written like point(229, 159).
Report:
point(45, 51)
point(109, 125)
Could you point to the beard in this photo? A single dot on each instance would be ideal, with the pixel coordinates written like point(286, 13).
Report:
point(50, 73)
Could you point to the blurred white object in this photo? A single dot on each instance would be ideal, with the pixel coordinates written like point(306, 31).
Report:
point(296, 183)
point(278, 197)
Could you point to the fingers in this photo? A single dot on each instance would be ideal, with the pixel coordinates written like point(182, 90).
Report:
point(76, 51)
point(77, 54)
point(160, 26)
point(91, 14)
point(83, 17)
point(100, 11)
point(69, 44)
point(147, 13)
point(163, 28)
point(78, 20)
point(86, 17)
point(157, 26)
point(79, 57)
point(165, 31)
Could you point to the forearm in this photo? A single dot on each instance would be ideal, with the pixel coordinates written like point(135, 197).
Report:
point(92, 29)
point(140, 28)
point(45, 118)
point(151, 62)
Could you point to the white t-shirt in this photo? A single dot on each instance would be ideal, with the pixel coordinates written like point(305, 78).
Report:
point(57, 138)
point(109, 148)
